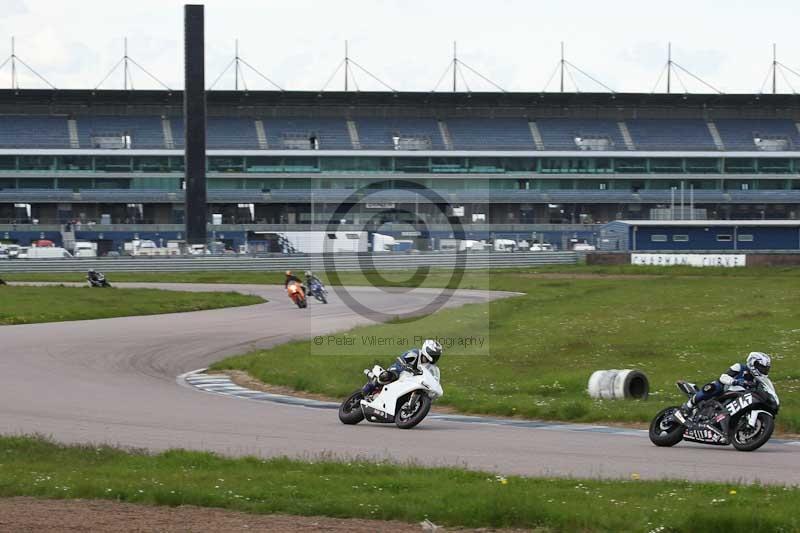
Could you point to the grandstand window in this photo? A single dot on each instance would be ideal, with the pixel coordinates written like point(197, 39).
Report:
point(151, 164)
point(702, 184)
point(724, 237)
point(412, 164)
point(112, 164)
point(630, 165)
point(112, 183)
point(301, 164)
point(36, 183)
point(75, 162)
point(226, 164)
point(774, 166)
point(486, 164)
point(263, 185)
point(680, 238)
point(8, 183)
point(264, 164)
point(738, 185)
point(519, 164)
point(740, 165)
point(770, 185)
point(224, 183)
point(505, 185)
point(8, 162)
point(658, 238)
point(356, 164)
point(666, 165)
point(176, 164)
point(446, 165)
point(297, 183)
point(37, 162)
point(75, 184)
point(702, 165)
point(744, 237)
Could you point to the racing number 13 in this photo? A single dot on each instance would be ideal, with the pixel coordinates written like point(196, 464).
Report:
point(739, 404)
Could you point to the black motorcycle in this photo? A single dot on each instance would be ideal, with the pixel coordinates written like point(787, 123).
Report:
point(743, 417)
point(98, 281)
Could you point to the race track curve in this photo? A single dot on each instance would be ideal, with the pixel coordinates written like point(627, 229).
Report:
point(113, 381)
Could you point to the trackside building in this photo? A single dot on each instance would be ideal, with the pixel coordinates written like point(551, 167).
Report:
point(700, 235)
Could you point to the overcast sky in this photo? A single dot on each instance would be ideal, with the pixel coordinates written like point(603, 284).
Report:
point(408, 44)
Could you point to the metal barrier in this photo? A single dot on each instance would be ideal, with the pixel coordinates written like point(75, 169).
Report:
point(344, 262)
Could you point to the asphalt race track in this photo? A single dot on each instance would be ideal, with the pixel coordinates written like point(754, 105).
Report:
point(114, 381)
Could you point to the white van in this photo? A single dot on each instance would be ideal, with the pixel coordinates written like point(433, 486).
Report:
point(85, 249)
point(47, 252)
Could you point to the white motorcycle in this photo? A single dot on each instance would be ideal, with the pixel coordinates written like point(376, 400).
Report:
point(404, 402)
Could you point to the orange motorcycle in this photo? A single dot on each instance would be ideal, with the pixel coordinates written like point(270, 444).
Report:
point(296, 294)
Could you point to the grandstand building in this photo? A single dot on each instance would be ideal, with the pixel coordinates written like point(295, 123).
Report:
point(546, 166)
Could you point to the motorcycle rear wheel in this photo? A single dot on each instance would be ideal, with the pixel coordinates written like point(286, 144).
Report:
point(667, 436)
point(408, 419)
point(350, 412)
point(766, 425)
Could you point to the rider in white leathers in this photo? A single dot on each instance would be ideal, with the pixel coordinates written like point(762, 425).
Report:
point(430, 352)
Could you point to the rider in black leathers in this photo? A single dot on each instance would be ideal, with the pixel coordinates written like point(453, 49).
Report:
point(739, 374)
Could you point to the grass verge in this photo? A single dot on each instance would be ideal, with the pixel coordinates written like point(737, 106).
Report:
point(28, 305)
point(446, 496)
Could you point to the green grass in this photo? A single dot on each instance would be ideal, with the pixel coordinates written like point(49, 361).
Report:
point(27, 305)
point(446, 496)
point(401, 278)
point(543, 346)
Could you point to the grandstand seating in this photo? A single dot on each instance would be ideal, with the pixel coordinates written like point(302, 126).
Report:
point(490, 134)
point(738, 134)
point(33, 132)
point(379, 133)
point(670, 134)
point(24, 131)
point(144, 131)
point(330, 133)
point(234, 132)
point(560, 133)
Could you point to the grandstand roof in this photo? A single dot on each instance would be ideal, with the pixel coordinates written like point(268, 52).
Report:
point(548, 104)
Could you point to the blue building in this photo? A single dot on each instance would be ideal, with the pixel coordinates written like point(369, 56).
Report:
point(697, 235)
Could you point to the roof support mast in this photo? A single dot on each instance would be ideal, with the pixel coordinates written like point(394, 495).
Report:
point(14, 84)
point(562, 66)
point(346, 66)
point(455, 67)
point(774, 68)
point(669, 67)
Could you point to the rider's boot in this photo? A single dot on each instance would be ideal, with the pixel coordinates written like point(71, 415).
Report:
point(688, 408)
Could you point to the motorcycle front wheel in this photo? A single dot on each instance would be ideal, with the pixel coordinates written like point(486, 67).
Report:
point(664, 431)
point(746, 439)
point(409, 415)
point(350, 410)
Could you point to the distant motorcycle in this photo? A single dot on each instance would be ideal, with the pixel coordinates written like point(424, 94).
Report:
point(318, 291)
point(742, 417)
point(3, 282)
point(98, 281)
point(296, 294)
point(404, 402)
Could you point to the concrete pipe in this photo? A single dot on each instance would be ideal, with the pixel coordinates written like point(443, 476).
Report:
point(619, 385)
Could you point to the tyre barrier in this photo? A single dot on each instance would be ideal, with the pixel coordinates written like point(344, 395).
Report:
point(619, 385)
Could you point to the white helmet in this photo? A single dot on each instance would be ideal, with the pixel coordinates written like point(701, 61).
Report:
point(308, 273)
point(431, 351)
point(759, 363)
